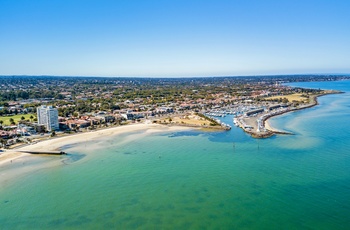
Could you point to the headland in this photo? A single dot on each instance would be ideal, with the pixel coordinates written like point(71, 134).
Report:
point(258, 126)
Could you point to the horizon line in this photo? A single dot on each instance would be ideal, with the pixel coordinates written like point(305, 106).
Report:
point(170, 77)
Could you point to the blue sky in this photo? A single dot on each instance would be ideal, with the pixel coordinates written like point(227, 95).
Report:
point(178, 38)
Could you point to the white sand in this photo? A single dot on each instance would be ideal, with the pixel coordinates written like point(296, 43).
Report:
point(56, 143)
point(269, 127)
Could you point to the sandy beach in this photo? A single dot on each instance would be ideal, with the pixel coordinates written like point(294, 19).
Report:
point(56, 143)
point(270, 128)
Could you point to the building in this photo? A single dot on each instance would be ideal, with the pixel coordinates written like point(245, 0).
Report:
point(48, 116)
point(106, 118)
point(256, 111)
point(127, 116)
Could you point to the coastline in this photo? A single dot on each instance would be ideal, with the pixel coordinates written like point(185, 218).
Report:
point(211, 128)
point(58, 143)
point(273, 130)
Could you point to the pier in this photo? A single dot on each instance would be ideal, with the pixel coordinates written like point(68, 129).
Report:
point(43, 152)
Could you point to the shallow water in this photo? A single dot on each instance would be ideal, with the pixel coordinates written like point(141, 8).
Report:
point(198, 180)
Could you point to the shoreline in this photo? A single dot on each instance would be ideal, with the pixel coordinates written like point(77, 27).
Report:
point(250, 124)
point(314, 103)
point(211, 128)
point(58, 143)
point(55, 144)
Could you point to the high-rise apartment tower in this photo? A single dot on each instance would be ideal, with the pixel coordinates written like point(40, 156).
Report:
point(48, 116)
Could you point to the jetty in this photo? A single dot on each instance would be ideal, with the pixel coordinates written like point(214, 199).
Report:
point(43, 152)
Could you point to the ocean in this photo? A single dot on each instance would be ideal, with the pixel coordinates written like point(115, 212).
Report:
point(195, 179)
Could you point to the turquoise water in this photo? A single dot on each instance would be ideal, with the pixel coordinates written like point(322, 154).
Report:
point(196, 180)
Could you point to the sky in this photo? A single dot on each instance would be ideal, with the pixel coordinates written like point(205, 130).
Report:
point(174, 38)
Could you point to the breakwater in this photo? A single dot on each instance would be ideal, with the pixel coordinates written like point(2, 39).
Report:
point(43, 152)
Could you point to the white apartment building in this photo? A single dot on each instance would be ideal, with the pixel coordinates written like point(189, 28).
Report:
point(48, 116)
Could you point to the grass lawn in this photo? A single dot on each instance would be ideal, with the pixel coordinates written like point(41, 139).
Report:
point(189, 120)
point(16, 118)
point(291, 97)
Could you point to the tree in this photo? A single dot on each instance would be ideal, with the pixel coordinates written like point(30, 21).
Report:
point(1, 122)
point(23, 118)
point(53, 133)
point(285, 100)
point(3, 142)
point(31, 117)
point(12, 122)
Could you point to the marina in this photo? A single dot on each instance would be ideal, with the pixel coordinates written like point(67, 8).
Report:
point(252, 118)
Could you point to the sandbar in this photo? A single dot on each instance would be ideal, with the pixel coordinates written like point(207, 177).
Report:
point(53, 144)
